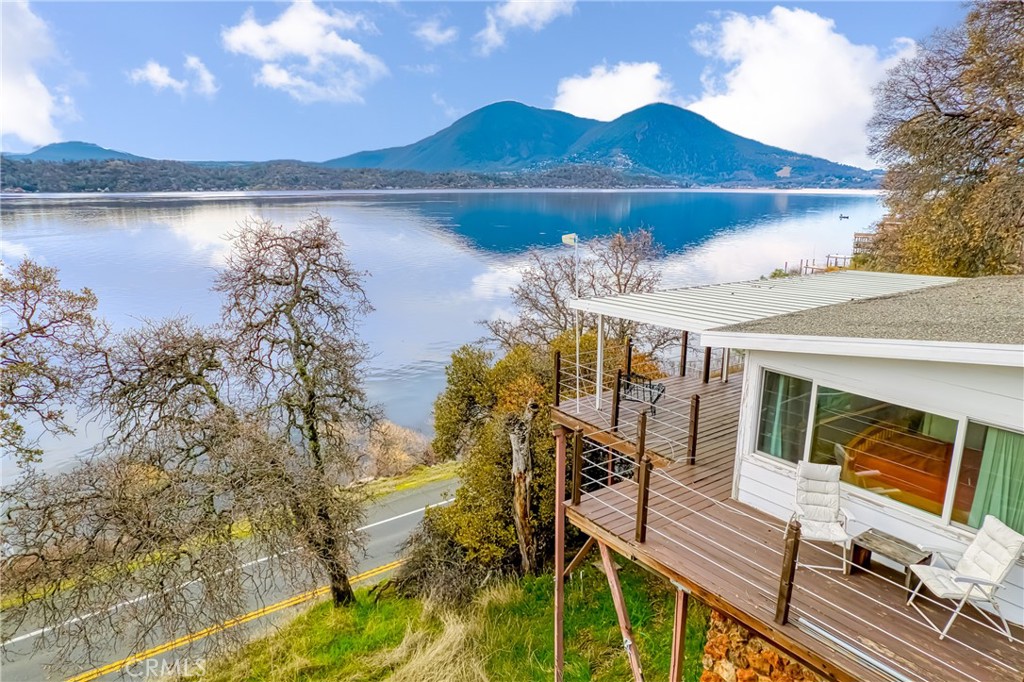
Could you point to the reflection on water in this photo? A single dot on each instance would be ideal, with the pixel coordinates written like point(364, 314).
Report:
point(438, 261)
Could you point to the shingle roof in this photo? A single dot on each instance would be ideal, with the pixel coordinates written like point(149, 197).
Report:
point(979, 310)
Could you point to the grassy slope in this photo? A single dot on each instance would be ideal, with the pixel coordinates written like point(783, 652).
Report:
point(506, 635)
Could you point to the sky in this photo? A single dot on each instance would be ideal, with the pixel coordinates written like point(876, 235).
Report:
point(196, 80)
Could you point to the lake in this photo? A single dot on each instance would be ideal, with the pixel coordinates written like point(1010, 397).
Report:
point(438, 261)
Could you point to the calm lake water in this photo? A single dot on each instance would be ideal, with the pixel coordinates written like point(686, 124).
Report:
point(438, 261)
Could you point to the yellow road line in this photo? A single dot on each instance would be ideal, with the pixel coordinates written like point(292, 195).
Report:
point(220, 627)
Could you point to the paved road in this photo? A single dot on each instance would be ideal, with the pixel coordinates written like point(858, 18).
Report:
point(389, 522)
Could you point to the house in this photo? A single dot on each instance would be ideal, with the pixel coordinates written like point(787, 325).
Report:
point(913, 385)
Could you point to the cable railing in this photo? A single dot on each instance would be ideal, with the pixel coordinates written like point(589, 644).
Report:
point(749, 548)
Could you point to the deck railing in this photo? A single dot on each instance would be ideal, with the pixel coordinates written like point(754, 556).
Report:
point(602, 473)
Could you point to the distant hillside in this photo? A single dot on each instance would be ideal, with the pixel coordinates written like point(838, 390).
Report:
point(500, 137)
point(658, 139)
point(75, 151)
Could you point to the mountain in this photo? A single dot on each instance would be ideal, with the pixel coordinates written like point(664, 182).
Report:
point(499, 137)
point(657, 139)
point(75, 151)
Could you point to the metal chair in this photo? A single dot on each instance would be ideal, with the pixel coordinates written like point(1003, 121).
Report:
point(976, 577)
point(818, 510)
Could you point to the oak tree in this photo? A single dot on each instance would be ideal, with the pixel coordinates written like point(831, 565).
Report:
point(949, 128)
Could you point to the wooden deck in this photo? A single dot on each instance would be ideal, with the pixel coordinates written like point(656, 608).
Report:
point(729, 556)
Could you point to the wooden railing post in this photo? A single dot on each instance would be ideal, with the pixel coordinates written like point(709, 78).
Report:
point(707, 365)
point(691, 444)
point(577, 467)
point(643, 479)
point(615, 400)
point(683, 353)
point(641, 436)
point(558, 376)
point(629, 357)
point(788, 571)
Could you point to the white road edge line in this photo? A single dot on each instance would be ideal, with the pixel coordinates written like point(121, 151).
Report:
point(78, 619)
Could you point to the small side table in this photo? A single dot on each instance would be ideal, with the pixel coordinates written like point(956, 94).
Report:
point(900, 551)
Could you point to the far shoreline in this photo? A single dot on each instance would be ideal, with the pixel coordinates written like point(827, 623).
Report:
point(36, 198)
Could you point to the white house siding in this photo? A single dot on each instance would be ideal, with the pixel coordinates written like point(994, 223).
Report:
point(993, 395)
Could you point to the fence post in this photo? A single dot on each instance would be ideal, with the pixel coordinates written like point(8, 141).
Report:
point(577, 467)
point(615, 399)
point(707, 364)
point(725, 365)
point(558, 376)
point(683, 352)
point(691, 445)
point(788, 571)
point(643, 480)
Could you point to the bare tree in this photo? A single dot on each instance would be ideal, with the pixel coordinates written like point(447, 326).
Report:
point(48, 342)
point(292, 301)
point(227, 467)
point(620, 264)
point(949, 127)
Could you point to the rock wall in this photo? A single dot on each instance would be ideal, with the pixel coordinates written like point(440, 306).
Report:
point(734, 654)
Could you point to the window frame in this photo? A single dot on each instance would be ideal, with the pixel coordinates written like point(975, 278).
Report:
point(757, 415)
point(862, 494)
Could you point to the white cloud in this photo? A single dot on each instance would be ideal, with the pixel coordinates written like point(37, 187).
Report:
point(203, 81)
point(434, 35)
point(424, 69)
point(303, 54)
point(449, 111)
point(790, 79)
point(515, 14)
point(158, 77)
point(28, 108)
point(607, 93)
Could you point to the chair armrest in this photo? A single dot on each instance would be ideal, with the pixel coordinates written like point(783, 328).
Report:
point(976, 581)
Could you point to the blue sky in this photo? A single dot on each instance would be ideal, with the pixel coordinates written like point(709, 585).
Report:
point(266, 80)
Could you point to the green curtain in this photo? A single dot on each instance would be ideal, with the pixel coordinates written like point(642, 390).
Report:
point(939, 428)
point(775, 439)
point(1001, 480)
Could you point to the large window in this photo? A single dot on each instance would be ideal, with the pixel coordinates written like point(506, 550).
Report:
point(991, 478)
point(896, 451)
point(785, 405)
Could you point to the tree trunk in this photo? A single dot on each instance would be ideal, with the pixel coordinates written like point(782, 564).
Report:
point(522, 482)
point(341, 589)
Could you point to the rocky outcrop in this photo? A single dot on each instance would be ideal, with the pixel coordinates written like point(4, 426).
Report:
point(734, 654)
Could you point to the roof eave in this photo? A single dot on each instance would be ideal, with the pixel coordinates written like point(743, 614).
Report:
point(1001, 355)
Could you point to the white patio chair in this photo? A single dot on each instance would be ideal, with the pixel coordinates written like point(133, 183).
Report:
point(976, 577)
point(818, 510)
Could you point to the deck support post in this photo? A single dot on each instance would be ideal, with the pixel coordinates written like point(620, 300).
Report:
point(629, 358)
point(615, 400)
point(558, 376)
point(691, 436)
point(707, 365)
point(788, 571)
point(675, 671)
point(620, 610)
point(725, 365)
point(599, 378)
point(577, 466)
point(683, 353)
point(559, 434)
point(580, 556)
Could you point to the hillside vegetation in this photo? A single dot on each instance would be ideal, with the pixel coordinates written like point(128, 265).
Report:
point(504, 635)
